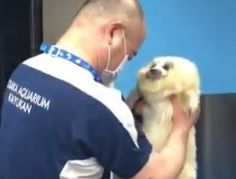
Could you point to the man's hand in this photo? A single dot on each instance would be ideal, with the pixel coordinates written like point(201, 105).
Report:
point(181, 119)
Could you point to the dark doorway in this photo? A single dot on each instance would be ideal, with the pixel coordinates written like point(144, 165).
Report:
point(20, 35)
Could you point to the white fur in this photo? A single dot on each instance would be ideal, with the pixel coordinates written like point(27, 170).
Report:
point(182, 80)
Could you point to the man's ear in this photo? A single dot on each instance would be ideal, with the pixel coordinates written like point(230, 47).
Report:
point(113, 28)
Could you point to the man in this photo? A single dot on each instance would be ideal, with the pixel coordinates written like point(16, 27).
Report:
point(59, 120)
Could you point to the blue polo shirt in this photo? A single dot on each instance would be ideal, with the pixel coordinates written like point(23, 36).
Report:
point(57, 122)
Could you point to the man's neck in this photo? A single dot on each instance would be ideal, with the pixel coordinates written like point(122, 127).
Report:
point(74, 45)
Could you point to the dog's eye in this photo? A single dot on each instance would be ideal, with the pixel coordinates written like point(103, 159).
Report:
point(166, 67)
point(153, 65)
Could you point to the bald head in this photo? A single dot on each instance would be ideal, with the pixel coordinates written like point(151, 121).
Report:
point(111, 8)
point(127, 11)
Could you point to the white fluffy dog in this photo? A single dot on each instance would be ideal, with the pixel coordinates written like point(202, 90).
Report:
point(157, 81)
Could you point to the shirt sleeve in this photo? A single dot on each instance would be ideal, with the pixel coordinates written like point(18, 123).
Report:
point(110, 140)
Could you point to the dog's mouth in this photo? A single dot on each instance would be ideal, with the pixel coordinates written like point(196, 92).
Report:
point(154, 74)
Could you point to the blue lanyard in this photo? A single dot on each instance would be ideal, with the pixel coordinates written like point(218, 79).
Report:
point(58, 52)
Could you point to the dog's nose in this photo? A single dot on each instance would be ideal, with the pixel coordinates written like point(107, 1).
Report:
point(153, 73)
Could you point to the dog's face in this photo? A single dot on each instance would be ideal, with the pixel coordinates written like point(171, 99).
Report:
point(165, 76)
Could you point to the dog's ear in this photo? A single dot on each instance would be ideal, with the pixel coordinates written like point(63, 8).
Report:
point(132, 101)
point(133, 97)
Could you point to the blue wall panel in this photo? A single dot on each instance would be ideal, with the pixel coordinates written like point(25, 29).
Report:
point(201, 30)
